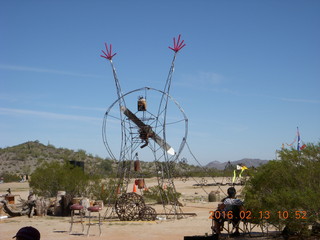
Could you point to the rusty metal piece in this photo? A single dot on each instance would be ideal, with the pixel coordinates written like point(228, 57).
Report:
point(137, 166)
point(128, 206)
point(141, 184)
point(148, 214)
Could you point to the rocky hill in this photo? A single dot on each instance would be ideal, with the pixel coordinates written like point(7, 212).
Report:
point(249, 162)
point(25, 157)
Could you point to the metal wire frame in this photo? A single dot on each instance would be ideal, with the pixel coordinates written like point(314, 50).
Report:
point(130, 143)
point(129, 149)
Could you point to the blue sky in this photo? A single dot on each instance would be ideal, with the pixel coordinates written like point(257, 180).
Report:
point(247, 78)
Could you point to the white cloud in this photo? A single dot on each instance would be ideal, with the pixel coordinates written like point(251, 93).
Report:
point(299, 100)
point(201, 79)
point(44, 70)
point(210, 78)
point(58, 116)
point(8, 98)
point(88, 108)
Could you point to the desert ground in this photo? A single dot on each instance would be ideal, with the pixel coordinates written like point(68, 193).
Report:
point(194, 200)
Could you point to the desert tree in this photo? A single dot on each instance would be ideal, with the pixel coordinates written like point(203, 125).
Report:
point(49, 178)
point(286, 192)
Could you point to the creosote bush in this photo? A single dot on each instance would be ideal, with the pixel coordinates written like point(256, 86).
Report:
point(160, 195)
point(52, 177)
point(287, 191)
point(9, 177)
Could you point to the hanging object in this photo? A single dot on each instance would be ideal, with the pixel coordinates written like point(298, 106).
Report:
point(138, 182)
point(137, 166)
point(142, 104)
point(141, 183)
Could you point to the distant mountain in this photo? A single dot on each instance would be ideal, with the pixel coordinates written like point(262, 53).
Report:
point(249, 162)
point(26, 157)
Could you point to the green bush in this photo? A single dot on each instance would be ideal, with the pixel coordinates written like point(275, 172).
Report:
point(161, 195)
point(290, 185)
point(52, 177)
point(105, 167)
point(9, 177)
point(105, 191)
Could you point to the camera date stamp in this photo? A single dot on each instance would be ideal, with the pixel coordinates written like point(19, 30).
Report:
point(247, 215)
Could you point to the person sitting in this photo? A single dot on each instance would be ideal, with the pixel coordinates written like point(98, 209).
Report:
point(229, 204)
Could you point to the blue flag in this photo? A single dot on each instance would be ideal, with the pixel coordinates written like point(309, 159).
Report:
point(298, 144)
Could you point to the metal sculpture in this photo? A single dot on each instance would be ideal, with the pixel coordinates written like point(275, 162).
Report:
point(131, 206)
point(148, 214)
point(145, 132)
point(128, 206)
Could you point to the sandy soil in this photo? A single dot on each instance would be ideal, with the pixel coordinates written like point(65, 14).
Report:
point(194, 199)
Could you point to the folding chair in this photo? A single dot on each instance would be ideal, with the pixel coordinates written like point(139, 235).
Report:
point(230, 225)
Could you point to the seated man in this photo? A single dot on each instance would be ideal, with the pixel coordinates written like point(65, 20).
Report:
point(229, 204)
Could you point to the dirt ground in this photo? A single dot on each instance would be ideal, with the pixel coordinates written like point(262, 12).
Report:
point(194, 200)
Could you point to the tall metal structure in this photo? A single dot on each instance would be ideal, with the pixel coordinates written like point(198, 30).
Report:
point(147, 123)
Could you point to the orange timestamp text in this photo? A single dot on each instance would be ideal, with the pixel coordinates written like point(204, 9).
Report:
point(247, 215)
